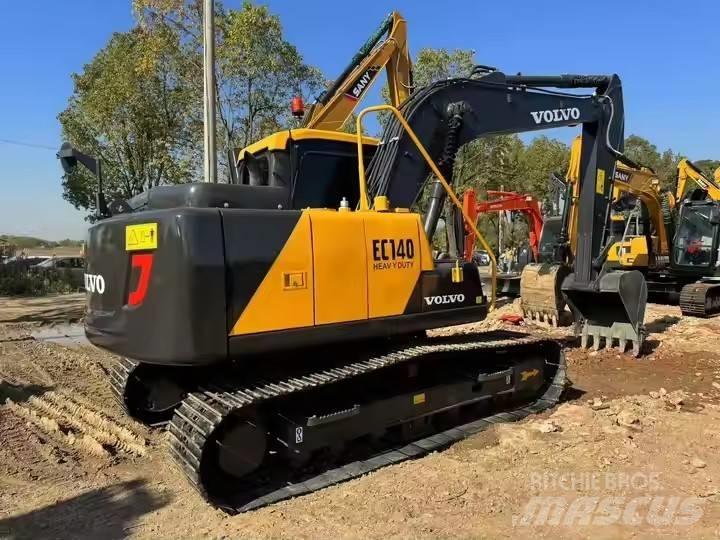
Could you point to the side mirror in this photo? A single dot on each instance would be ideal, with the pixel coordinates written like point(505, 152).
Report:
point(69, 158)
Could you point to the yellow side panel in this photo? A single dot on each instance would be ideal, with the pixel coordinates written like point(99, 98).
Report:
point(285, 296)
point(394, 261)
point(340, 266)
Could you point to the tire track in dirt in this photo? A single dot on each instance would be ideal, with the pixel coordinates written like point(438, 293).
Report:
point(75, 425)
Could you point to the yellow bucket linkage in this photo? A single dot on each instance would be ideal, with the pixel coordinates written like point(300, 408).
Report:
point(364, 201)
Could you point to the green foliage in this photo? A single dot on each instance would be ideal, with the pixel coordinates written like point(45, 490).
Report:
point(257, 70)
point(437, 64)
point(18, 280)
point(646, 154)
point(708, 166)
point(130, 109)
point(138, 104)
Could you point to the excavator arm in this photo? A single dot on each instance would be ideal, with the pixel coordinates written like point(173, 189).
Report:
point(644, 185)
point(448, 114)
point(688, 174)
point(387, 48)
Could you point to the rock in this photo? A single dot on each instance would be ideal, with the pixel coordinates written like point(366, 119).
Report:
point(675, 400)
point(698, 463)
point(627, 418)
point(597, 404)
point(654, 395)
point(716, 385)
point(547, 427)
point(663, 391)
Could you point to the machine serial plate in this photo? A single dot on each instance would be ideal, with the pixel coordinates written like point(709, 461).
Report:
point(141, 236)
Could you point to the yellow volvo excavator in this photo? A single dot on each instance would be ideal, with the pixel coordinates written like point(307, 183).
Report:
point(278, 328)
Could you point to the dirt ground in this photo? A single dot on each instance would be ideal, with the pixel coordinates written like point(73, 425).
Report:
point(628, 454)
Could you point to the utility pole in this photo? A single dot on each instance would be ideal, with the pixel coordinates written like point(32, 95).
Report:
point(209, 76)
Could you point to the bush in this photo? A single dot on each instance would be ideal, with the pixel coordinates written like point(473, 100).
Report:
point(18, 279)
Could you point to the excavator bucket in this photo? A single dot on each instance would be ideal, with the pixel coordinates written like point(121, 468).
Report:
point(612, 307)
point(541, 297)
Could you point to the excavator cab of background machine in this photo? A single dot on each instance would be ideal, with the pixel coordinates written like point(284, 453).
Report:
point(697, 238)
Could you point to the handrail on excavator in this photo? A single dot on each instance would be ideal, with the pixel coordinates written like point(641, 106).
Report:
point(364, 201)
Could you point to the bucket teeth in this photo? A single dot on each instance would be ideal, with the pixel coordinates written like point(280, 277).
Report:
point(541, 317)
point(593, 334)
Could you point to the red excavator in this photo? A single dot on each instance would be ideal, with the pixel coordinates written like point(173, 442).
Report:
point(506, 201)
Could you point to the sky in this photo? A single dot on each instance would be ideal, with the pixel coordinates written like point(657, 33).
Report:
point(666, 52)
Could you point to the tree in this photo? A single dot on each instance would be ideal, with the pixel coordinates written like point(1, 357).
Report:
point(138, 104)
point(433, 65)
point(257, 70)
point(646, 154)
point(709, 166)
point(129, 109)
point(538, 160)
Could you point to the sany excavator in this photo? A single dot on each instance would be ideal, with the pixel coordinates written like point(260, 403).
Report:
point(259, 163)
point(681, 254)
point(651, 249)
point(695, 251)
point(678, 249)
point(505, 201)
point(278, 327)
point(387, 48)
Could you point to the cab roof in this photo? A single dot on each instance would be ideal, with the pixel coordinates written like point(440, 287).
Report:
point(279, 140)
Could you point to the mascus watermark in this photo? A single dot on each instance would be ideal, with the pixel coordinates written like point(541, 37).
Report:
point(583, 507)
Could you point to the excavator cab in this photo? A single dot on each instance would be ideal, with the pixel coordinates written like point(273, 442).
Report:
point(307, 167)
point(695, 249)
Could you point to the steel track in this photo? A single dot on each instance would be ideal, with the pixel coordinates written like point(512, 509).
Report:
point(201, 413)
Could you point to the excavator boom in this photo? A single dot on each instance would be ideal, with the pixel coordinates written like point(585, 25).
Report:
point(612, 304)
point(688, 174)
point(387, 48)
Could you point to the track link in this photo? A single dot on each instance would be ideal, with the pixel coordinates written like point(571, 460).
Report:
point(700, 299)
point(120, 373)
point(202, 412)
